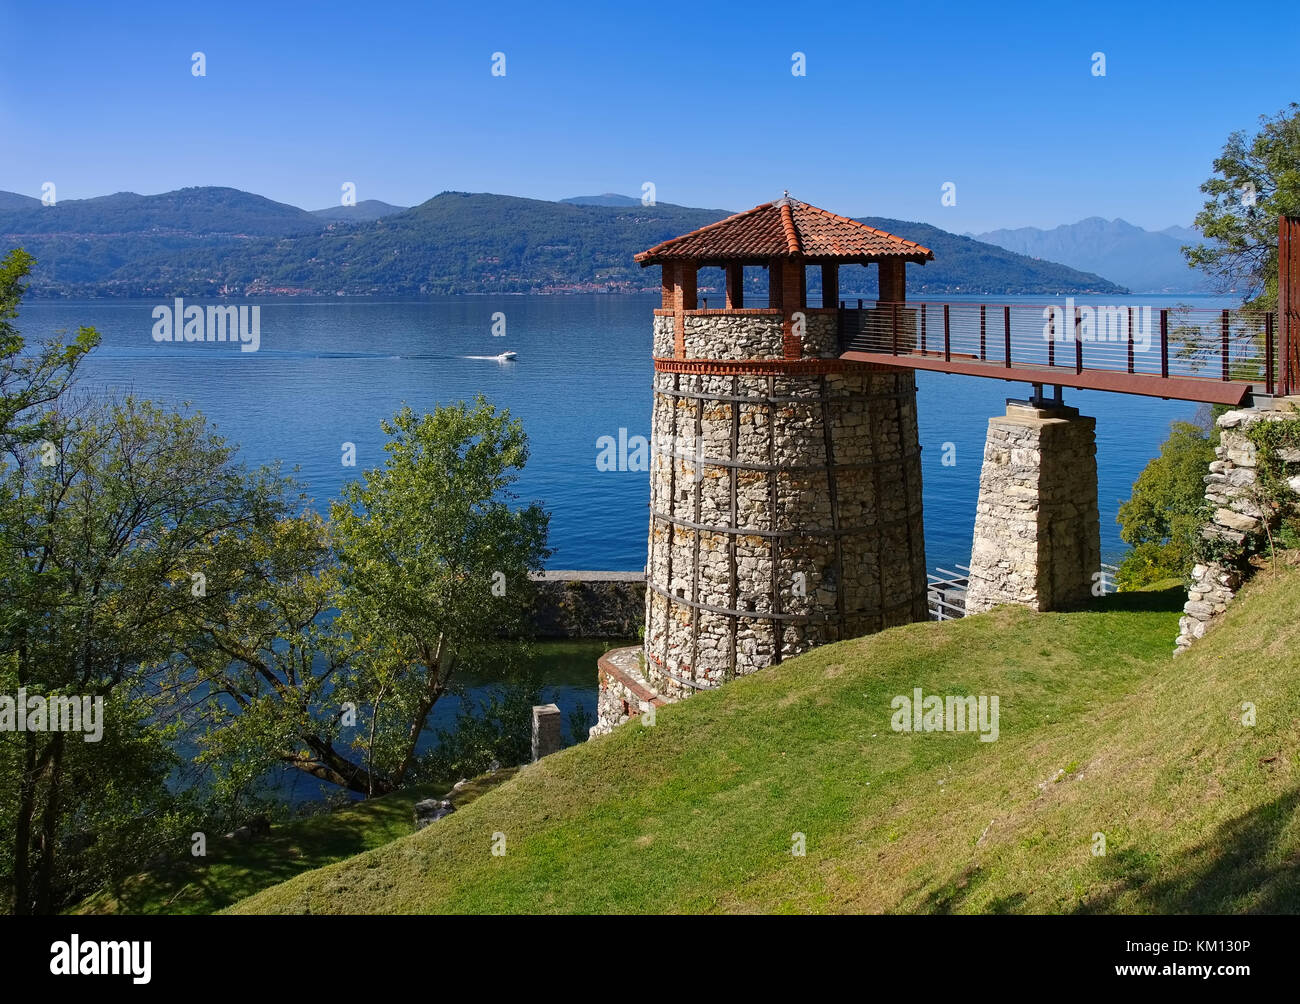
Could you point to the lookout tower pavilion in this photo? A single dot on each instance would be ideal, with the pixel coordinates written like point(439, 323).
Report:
point(785, 489)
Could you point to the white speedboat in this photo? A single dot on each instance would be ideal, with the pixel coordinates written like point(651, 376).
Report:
point(506, 357)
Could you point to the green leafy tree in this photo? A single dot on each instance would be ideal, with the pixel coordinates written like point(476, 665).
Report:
point(262, 652)
point(120, 510)
point(1256, 179)
point(434, 564)
point(1163, 518)
point(30, 379)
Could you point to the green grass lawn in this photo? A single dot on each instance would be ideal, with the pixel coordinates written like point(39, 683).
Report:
point(1101, 731)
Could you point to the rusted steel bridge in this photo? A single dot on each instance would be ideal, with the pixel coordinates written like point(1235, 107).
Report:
point(1217, 356)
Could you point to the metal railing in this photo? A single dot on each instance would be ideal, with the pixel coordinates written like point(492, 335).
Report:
point(1168, 342)
point(946, 594)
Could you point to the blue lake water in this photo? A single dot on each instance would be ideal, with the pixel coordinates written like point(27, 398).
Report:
point(327, 371)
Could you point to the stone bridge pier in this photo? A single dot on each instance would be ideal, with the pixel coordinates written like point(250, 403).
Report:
point(1037, 540)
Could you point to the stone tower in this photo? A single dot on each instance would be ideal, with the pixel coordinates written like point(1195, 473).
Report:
point(785, 488)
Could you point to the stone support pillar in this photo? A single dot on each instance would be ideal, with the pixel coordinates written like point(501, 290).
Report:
point(1037, 536)
point(547, 734)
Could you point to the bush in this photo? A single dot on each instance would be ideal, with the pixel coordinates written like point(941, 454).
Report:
point(1163, 519)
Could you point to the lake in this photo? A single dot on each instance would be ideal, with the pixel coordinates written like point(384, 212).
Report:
point(328, 370)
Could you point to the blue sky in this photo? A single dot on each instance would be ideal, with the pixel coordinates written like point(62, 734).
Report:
point(399, 99)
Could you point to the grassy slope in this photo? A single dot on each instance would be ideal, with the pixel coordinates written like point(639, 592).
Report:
point(233, 870)
point(696, 813)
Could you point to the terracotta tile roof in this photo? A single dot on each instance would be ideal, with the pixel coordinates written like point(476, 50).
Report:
point(783, 229)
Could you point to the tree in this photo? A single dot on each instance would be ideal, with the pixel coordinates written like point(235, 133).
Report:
point(30, 380)
point(1255, 180)
point(434, 566)
point(1163, 518)
point(116, 515)
point(264, 656)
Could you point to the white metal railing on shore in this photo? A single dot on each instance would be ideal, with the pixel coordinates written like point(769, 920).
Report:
point(946, 593)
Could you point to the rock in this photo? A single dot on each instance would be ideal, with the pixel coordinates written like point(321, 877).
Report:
point(1246, 508)
point(430, 810)
point(1235, 520)
point(1217, 533)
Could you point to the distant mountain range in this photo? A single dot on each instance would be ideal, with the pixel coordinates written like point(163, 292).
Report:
point(219, 241)
point(362, 212)
point(608, 199)
point(1146, 261)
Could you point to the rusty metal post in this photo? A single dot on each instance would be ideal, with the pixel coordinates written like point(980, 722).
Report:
point(1006, 324)
point(1130, 339)
point(1288, 299)
point(1223, 344)
point(1078, 342)
point(1268, 354)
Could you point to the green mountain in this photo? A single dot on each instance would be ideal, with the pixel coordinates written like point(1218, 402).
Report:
point(206, 241)
point(194, 212)
point(608, 199)
point(12, 200)
point(362, 212)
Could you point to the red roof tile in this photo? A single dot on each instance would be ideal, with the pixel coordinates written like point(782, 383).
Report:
point(783, 229)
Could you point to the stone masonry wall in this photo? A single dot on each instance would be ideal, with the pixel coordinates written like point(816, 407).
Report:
point(821, 335)
point(664, 333)
point(589, 604)
point(754, 334)
point(824, 539)
point(1237, 521)
point(623, 691)
point(734, 336)
point(1037, 539)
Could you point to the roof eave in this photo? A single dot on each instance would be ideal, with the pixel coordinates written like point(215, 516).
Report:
point(645, 258)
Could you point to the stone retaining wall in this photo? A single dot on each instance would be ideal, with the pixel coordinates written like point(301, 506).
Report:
point(576, 604)
point(1236, 529)
point(624, 691)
